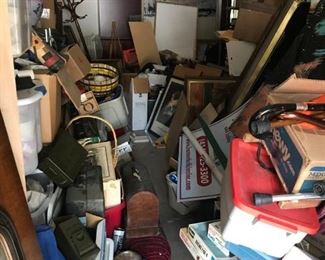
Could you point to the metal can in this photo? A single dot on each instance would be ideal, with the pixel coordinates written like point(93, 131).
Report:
point(118, 236)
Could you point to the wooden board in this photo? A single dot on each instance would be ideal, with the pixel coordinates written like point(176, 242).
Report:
point(8, 95)
point(144, 43)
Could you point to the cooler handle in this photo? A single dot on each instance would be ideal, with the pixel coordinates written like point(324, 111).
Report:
point(277, 223)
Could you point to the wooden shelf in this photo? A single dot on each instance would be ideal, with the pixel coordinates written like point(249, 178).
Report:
point(8, 94)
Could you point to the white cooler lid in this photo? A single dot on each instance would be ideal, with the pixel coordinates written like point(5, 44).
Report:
point(31, 95)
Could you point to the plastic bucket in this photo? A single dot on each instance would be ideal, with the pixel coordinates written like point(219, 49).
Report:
point(115, 111)
point(29, 120)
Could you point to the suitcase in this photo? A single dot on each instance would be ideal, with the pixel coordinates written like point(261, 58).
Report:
point(142, 214)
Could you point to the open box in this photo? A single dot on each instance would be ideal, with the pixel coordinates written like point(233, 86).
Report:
point(297, 151)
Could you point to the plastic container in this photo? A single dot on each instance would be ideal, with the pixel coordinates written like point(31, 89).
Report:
point(19, 25)
point(245, 253)
point(109, 249)
point(266, 228)
point(115, 111)
point(182, 208)
point(30, 128)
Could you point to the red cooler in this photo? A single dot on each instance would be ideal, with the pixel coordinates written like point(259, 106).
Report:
point(266, 228)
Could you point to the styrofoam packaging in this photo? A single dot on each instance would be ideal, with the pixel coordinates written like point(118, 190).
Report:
point(115, 111)
point(19, 25)
point(266, 228)
point(29, 119)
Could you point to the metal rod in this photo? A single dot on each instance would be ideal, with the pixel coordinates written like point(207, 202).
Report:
point(266, 198)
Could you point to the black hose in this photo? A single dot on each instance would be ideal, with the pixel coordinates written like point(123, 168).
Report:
point(260, 122)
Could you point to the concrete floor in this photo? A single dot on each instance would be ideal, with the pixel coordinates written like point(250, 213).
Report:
point(170, 220)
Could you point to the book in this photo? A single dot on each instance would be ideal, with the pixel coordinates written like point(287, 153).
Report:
point(214, 234)
point(184, 236)
point(198, 233)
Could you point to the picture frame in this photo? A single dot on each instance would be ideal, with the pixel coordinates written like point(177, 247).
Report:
point(201, 92)
point(167, 107)
point(263, 53)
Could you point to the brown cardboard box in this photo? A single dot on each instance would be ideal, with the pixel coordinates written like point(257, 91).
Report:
point(266, 6)
point(50, 107)
point(297, 151)
point(251, 25)
point(50, 20)
point(49, 4)
point(200, 71)
point(77, 66)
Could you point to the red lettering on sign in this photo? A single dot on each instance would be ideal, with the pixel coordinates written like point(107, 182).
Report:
point(203, 175)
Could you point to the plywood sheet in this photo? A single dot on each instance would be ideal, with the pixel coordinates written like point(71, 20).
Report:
point(144, 43)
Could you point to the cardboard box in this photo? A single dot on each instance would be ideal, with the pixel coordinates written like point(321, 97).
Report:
point(267, 6)
point(198, 235)
point(49, 4)
point(77, 65)
point(200, 71)
point(297, 151)
point(50, 107)
point(239, 53)
point(139, 102)
point(48, 19)
point(251, 25)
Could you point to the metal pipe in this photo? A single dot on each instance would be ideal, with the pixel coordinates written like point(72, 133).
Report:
point(266, 198)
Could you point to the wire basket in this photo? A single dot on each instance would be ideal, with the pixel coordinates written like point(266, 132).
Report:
point(101, 80)
point(114, 150)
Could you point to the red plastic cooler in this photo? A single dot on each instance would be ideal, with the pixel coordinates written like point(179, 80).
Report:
point(266, 228)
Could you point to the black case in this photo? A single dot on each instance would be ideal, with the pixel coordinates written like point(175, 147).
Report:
point(62, 162)
point(86, 193)
point(73, 240)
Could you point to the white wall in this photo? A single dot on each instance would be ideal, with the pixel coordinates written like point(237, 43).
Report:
point(90, 24)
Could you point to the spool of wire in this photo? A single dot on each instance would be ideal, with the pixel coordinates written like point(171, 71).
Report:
point(101, 80)
point(319, 188)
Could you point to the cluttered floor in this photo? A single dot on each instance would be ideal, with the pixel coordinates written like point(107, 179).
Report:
point(170, 220)
point(211, 150)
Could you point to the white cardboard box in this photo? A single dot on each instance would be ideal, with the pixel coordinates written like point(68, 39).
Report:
point(139, 103)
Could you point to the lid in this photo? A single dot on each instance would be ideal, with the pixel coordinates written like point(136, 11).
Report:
point(249, 177)
point(31, 95)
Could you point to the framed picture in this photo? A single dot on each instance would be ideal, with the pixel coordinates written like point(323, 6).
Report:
point(167, 107)
point(263, 53)
point(200, 93)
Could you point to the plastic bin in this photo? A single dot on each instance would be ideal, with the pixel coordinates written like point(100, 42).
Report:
point(115, 111)
point(29, 119)
point(182, 208)
point(266, 228)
